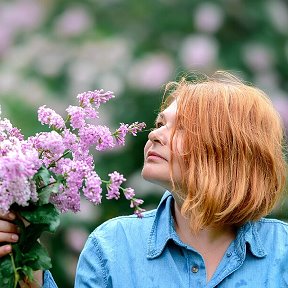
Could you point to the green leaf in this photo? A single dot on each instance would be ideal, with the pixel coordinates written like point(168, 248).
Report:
point(42, 177)
point(27, 271)
point(6, 272)
point(31, 234)
point(44, 195)
point(37, 258)
point(45, 192)
point(46, 214)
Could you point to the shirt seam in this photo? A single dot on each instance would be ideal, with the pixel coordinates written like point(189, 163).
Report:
point(274, 221)
point(98, 254)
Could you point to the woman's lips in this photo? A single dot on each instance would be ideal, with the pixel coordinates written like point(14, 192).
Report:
point(154, 156)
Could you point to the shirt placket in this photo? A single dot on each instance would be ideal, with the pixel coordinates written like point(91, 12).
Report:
point(195, 268)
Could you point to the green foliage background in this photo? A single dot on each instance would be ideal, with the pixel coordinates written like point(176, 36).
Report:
point(52, 50)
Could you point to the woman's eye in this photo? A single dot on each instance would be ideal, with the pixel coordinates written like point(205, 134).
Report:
point(159, 124)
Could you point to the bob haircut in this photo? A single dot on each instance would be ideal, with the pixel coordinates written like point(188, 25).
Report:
point(232, 148)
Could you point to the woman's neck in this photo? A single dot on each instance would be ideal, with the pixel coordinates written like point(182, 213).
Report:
point(210, 243)
point(206, 236)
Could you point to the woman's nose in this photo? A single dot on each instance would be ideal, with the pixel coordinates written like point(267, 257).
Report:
point(156, 137)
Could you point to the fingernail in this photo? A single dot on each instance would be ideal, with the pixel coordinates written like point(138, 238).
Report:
point(14, 237)
point(7, 248)
point(11, 216)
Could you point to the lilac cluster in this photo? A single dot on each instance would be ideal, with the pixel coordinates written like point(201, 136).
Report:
point(65, 152)
point(19, 162)
point(124, 129)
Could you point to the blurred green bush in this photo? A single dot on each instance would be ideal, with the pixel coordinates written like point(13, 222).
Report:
point(52, 50)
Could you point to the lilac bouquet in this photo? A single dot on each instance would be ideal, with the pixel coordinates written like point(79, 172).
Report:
point(44, 175)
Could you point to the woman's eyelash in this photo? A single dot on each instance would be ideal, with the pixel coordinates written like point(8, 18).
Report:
point(159, 124)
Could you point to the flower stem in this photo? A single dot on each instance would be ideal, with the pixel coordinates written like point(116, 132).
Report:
point(16, 275)
point(63, 155)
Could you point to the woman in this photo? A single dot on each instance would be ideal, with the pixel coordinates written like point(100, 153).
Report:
point(217, 147)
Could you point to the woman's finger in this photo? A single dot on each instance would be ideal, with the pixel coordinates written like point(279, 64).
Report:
point(8, 237)
point(6, 226)
point(4, 250)
point(8, 216)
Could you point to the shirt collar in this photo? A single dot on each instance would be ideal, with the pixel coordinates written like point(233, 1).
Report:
point(248, 236)
point(163, 230)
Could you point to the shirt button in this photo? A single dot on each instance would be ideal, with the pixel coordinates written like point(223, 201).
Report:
point(195, 269)
point(229, 254)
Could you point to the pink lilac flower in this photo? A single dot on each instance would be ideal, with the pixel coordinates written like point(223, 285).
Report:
point(116, 180)
point(18, 165)
point(129, 193)
point(92, 189)
point(15, 132)
point(6, 199)
point(136, 202)
point(136, 127)
point(120, 134)
point(70, 140)
point(50, 117)
point(139, 212)
point(96, 97)
point(96, 135)
point(67, 199)
point(49, 141)
point(77, 116)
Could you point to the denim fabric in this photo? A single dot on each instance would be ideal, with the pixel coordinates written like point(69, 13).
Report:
point(132, 252)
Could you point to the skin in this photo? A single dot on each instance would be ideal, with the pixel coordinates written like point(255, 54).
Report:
point(8, 233)
point(157, 154)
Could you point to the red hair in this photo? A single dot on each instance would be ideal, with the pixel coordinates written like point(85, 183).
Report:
point(234, 167)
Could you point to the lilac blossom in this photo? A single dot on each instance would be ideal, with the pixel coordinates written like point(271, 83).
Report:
point(94, 97)
point(66, 200)
point(96, 135)
point(50, 117)
point(77, 116)
point(70, 140)
point(92, 189)
point(113, 187)
point(64, 158)
point(135, 127)
point(129, 193)
point(124, 129)
point(121, 133)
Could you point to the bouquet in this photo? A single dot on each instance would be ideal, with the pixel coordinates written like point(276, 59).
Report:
point(45, 175)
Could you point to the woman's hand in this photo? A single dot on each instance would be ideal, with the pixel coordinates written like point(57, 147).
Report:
point(8, 233)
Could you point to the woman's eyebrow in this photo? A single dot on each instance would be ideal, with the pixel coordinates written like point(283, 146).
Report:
point(160, 116)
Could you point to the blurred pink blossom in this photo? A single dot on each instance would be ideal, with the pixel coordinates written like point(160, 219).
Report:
point(76, 238)
point(281, 104)
point(199, 51)
point(208, 17)
point(22, 14)
point(257, 56)
point(151, 71)
point(6, 38)
point(73, 22)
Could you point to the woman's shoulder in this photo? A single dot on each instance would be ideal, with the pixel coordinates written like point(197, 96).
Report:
point(125, 226)
point(272, 229)
point(273, 223)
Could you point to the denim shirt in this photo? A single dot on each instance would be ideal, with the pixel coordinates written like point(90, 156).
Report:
point(147, 253)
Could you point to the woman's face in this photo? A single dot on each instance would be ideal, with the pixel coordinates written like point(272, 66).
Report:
point(157, 153)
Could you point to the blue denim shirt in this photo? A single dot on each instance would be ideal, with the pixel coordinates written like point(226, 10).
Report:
point(132, 252)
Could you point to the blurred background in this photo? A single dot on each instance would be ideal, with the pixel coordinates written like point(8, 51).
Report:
point(52, 50)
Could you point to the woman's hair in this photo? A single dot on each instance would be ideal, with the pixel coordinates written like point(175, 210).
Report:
point(234, 167)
